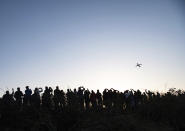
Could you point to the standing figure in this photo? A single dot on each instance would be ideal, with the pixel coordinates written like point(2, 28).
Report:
point(27, 96)
point(99, 98)
point(46, 98)
point(57, 97)
point(7, 99)
point(93, 99)
point(81, 97)
point(35, 98)
point(18, 97)
point(87, 99)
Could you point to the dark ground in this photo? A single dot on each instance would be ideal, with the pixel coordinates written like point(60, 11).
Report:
point(68, 120)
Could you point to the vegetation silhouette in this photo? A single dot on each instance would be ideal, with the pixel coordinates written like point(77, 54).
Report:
point(81, 109)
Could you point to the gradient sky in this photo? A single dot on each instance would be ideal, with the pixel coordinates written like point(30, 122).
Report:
point(94, 43)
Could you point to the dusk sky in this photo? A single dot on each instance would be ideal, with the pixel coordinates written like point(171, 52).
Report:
point(92, 43)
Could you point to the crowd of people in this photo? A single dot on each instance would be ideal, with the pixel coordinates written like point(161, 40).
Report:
point(80, 98)
point(65, 108)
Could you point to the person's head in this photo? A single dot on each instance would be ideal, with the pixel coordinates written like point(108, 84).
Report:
point(50, 89)
point(36, 89)
point(27, 87)
point(18, 88)
point(7, 92)
point(57, 87)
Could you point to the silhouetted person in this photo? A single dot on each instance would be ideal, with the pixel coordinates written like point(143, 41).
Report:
point(99, 98)
point(144, 98)
point(81, 96)
point(87, 99)
point(115, 99)
point(105, 97)
point(132, 101)
point(69, 97)
point(121, 101)
point(57, 97)
point(138, 98)
point(127, 99)
point(109, 99)
point(93, 99)
point(35, 98)
point(27, 96)
point(18, 96)
point(62, 99)
point(75, 104)
point(46, 98)
point(8, 99)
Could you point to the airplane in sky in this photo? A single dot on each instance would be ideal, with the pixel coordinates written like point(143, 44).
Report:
point(138, 65)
